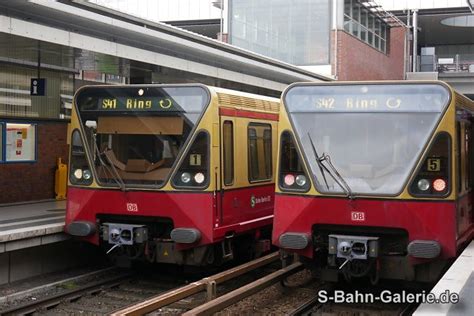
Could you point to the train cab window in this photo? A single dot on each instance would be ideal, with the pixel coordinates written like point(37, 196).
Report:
point(260, 152)
point(434, 176)
point(292, 174)
point(228, 152)
point(79, 169)
point(193, 171)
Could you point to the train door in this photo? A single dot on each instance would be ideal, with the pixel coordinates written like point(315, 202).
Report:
point(247, 175)
point(470, 164)
point(260, 196)
point(469, 179)
point(464, 161)
point(229, 202)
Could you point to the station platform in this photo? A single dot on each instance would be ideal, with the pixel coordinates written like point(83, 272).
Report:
point(458, 279)
point(31, 224)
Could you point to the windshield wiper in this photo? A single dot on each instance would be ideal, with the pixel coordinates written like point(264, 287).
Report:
point(320, 165)
point(325, 157)
point(115, 173)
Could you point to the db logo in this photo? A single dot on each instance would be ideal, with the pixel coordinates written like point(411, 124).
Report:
point(358, 216)
point(132, 207)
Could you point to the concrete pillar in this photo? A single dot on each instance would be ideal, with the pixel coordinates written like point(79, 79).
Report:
point(415, 40)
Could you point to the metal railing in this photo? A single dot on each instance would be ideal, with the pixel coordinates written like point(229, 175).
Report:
point(459, 63)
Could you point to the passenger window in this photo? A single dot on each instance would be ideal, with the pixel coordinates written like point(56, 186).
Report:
point(267, 142)
point(228, 145)
point(260, 152)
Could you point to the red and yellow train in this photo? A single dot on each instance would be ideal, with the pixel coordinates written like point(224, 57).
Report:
point(375, 179)
point(172, 173)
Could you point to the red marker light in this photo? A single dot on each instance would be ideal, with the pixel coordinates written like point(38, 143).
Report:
point(439, 185)
point(289, 179)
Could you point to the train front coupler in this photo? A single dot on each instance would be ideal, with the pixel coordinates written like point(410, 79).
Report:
point(354, 256)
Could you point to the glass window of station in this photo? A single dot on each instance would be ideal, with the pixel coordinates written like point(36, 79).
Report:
point(298, 34)
point(363, 24)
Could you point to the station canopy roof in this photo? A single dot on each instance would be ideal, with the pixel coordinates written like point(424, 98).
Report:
point(80, 24)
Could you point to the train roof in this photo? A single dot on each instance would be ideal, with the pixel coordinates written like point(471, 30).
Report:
point(244, 100)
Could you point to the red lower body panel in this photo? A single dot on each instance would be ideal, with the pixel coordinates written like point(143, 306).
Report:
point(422, 220)
point(200, 210)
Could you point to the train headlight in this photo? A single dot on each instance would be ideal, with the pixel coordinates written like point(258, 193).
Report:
point(78, 174)
point(301, 180)
point(423, 184)
point(185, 177)
point(289, 179)
point(86, 174)
point(199, 177)
point(439, 185)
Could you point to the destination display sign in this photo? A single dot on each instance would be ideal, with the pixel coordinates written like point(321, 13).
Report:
point(367, 98)
point(137, 104)
point(187, 99)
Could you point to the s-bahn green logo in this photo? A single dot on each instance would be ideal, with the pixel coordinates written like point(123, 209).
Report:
point(261, 199)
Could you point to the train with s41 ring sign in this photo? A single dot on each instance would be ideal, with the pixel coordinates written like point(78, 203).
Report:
point(374, 179)
point(179, 174)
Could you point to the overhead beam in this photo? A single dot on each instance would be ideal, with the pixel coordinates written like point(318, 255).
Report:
point(49, 34)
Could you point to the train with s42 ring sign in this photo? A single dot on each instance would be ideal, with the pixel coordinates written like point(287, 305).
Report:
point(374, 179)
point(179, 174)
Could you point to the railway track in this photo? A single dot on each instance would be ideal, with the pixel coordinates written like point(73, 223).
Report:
point(71, 295)
point(347, 309)
point(127, 293)
point(97, 293)
point(104, 295)
point(308, 307)
point(314, 306)
point(209, 285)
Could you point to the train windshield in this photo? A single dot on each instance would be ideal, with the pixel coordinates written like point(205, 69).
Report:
point(373, 134)
point(136, 134)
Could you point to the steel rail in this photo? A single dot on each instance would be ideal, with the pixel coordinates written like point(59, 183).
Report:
point(208, 284)
point(56, 299)
point(408, 310)
point(306, 307)
point(17, 296)
point(230, 298)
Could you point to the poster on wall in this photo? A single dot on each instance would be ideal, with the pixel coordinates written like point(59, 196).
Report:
point(20, 142)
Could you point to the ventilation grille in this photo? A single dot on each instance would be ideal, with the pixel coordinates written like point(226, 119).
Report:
point(230, 100)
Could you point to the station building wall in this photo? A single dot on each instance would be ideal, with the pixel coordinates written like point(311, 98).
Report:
point(356, 60)
point(33, 129)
